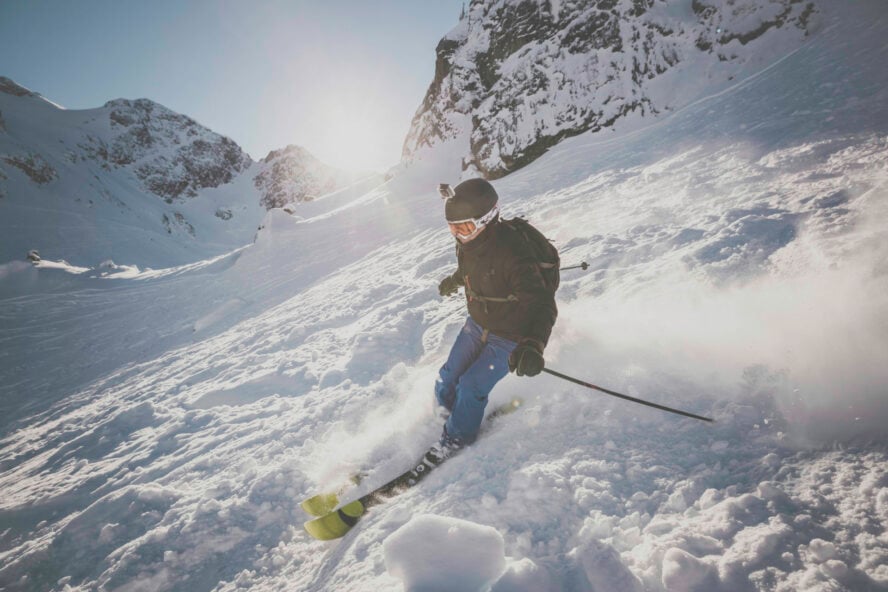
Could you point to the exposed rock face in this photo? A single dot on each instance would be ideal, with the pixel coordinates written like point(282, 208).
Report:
point(10, 87)
point(517, 76)
point(170, 153)
point(33, 165)
point(293, 175)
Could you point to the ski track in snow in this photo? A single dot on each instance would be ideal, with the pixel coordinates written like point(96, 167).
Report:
point(160, 429)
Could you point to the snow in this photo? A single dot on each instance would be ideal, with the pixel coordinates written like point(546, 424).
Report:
point(436, 553)
point(160, 425)
point(684, 572)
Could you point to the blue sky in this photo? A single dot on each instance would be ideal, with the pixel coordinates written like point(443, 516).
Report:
point(341, 77)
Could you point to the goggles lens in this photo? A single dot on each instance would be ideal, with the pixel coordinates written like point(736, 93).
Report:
point(467, 229)
point(463, 229)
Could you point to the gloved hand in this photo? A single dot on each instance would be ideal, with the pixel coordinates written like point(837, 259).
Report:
point(527, 358)
point(448, 286)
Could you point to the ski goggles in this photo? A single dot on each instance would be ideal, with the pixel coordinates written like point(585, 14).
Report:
point(470, 227)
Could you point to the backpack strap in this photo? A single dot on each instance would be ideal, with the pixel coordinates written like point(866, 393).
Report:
point(475, 296)
point(485, 299)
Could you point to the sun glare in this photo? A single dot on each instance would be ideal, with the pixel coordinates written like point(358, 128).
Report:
point(353, 143)
point(356, 137)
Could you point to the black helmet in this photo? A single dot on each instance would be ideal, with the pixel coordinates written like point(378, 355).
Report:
point(469, 208)
point(471, 199)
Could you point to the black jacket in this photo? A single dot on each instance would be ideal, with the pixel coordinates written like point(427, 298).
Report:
point(498, 264)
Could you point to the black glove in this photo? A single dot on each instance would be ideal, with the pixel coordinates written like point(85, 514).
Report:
point(527, 359)
point(448, 286)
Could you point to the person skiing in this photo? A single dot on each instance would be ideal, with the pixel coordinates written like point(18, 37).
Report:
point(511, 311)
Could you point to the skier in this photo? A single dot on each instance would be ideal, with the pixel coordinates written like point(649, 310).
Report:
point(510, 273)
point(511, 311)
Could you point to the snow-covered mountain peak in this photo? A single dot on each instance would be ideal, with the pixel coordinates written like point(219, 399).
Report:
point(10, 87)
point(515, 77)
point(170, 153)
point(293, 175)
point(126, 112)
point(289, 151)
point(135, 181)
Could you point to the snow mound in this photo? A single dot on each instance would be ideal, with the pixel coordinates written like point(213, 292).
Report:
point(436, 553)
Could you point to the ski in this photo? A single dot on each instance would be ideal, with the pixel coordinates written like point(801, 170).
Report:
point(336, 522)
point(323, 503)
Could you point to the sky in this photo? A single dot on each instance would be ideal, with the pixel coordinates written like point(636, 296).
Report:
point(343, 78)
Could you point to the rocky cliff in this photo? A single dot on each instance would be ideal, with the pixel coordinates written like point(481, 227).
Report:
point(514, 77)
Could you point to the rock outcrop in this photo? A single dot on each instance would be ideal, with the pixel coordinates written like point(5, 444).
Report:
point(515, 77)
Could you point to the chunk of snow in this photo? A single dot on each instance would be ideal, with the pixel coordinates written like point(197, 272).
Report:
point(106, 535)
point(821, 550)
point(834, 568)
point(604, 569)
point(769, 490)
point(709, 498)
point(437, 553)
point(882, 504)
point(525, 576)
point(682, 572)
point(155, 493)
point(676, 502)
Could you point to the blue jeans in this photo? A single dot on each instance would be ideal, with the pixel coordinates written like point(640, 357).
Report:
point(472, 369)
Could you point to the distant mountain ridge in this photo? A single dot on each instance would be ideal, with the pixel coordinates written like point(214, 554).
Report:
point(170, 153)
point(69, 178)
point(293, 174)
point(514, 77)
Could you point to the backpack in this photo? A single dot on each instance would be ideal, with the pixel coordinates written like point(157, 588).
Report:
point(542, 249)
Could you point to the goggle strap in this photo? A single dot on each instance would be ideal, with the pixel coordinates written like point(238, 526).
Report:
point(481, 221)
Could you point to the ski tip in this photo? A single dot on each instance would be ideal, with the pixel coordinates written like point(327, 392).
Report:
point(321, 504)
point(335, 524)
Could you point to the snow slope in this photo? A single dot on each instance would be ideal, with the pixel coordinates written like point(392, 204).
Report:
point(154, 440)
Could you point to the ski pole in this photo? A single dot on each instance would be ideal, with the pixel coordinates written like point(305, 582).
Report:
point(584, 266)
point(627, 397)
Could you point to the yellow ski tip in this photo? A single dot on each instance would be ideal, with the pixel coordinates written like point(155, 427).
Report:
point(335, 524)
point(321, 504)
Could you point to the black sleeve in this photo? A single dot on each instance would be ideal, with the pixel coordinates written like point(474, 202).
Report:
point(458, 276)
point(536, 301)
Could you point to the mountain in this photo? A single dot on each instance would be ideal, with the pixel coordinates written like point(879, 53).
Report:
point(515, 77)
point(293, 175)
point(171, 154)
point(136, 182)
